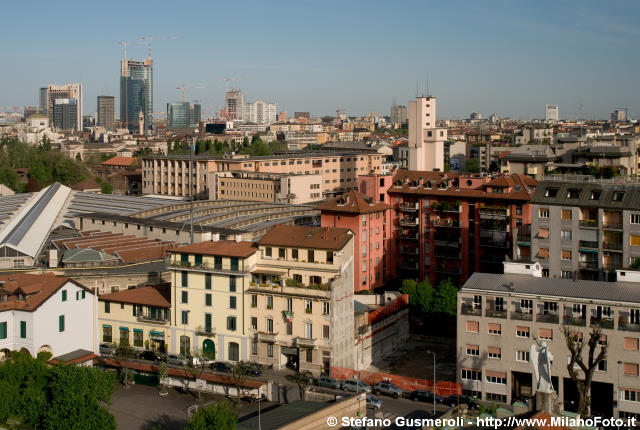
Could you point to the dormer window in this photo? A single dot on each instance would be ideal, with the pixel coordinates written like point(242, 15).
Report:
point(442, 185)
point(21, 297)
point(427, 184)
point(498, 190)
point(617, 196)
point(595, 195)
point(550, 192)
point(573, 193)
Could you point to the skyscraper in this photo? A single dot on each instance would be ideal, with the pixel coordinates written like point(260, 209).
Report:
point(398, 114)
point(69, 91)
point(426, 142)
point(260, 112)
point(551, 112)
point(234, 104)
point(178, 115)
point(44, 100)
point(195, 114)
point(65, 114)
point(106, 112)
point(136, 94)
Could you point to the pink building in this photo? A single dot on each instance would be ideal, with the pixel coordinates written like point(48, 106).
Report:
point(369, 219)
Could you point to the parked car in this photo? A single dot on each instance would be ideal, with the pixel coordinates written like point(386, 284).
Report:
point(178, 360)
point(107, 349)
point(327, 381)
point(148, 355)
point(356, 386)
point(373, 403)
point(388, 389)
point(252, 370)
point(423, 396)
point(456, 399)
point(201, 361)
point(221, 366)
point(255, 399)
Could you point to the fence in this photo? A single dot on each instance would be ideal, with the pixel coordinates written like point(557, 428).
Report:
point(443, 388)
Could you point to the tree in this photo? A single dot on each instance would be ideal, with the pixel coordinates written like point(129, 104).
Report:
point(421, 295)
point(494, 167)
point(303, 379)
point(33, 186)
point(163, 376)
point(124, 352)
point(576, 343)
point(106, 188)
point(239, 374)
point(444, 299)
point(220, 416)
point(473, 165)
point(199, 363)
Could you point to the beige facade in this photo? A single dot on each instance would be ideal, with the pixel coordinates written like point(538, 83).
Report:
point(266, 187)
point(170, 176)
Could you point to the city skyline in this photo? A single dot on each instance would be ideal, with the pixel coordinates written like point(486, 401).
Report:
point(506, 59)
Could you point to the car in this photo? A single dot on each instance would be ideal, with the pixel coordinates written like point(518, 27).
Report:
point(252, 370)
point(356, 386)
point(148, 355)
point(423, 396)
point(201, 361)
point(388, 389)
point(107, 349)
point(327, 381)
point(178, 360)
point(457, 399)
point(221, 366)
point(373, 403)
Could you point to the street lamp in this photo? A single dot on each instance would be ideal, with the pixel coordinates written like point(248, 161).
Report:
point(434, 381)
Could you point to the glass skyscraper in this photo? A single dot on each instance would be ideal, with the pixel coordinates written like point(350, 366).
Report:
point(136, 94)
point(178, 115)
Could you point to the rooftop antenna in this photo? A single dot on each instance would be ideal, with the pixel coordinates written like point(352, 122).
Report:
point(417, 92)
point(428, 86)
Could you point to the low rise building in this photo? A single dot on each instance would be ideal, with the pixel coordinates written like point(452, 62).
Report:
point(266, 187)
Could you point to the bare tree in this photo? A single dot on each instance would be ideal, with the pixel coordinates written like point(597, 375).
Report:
point(163, 377)
point(303, 379)
point(239, 374)
point(582, 375)
point(124, 352)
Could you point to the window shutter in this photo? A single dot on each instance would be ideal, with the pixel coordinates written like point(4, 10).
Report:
point(494, 350)
point(473, 326)
point(546, 333)
point(631, 369)
point(631, 343)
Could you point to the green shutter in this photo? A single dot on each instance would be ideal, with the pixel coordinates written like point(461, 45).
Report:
point(64, 295)
point(61, 323)
point(83, 296)
point(107, 307)
point(23, 329)
point(134, 310)
point(3, 330)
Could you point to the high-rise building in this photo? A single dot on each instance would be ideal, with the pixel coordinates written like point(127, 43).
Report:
point(398, 114)
point(260, 112)
point(106, 112)
point(69, 91)
point(551, 112)
point(426, 141)
point(195, 115)
point(178, 116)
point(619, 115)
point(65, 114)
point(136, 94)
point(234, 104)
point(43, 100)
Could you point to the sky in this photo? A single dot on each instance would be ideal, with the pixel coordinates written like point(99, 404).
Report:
point(506, 57)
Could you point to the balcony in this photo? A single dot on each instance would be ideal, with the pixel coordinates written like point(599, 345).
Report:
point(408, 207)
point(409, 236)
point(489, 243)
point(492, 225)
point(494, 213)
point(206, 331)
point(456, 271)
point(612, 225)
point(492, 259)
point(495, 313)
point(576, 321)
point(602, 322)
point(409, 266)
point(210, 267)
point(524, 233)
point(589, 223)
point(267, 337)
point(611, 265)
point(409, 222)
point(409, 251)
point(443, 253)
point(445, 207)
point(548, 318)
point(588, 244)
point(589, 265)
point(470, 310)
point(153, 319)
point(521, 316)
point(305, 343)
point(615, 246)
point(446, 223)
point(447, 243)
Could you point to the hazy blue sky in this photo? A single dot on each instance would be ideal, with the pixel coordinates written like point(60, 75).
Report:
point(507, 57)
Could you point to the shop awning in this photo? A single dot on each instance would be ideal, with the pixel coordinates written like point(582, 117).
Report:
point(124, 328)
point(137, 330)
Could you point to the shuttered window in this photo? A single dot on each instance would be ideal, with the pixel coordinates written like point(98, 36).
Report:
point(546, 333)
point(495, 328)
point(473, 350)
point(566, 214)
point(522, 331)
point(543, 233)
point(473, 326)
point(494, 352)
point(631, 343)
point(566, 254)
point(631, 369)
point(543, 252)
point(634, 240)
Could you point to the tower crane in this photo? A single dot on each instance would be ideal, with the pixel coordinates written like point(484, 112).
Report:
point(149, 38)
point(226, 81)
point(187, 87)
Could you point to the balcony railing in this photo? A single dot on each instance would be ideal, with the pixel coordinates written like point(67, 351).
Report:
point(408, 207)
point(548, 318)
point(406, 236)
point(522, 316)
point(447, 243)
point(494, 213)
point(450, 255)
point(495, 313)
point(611, 265)
point(206, 267)
point(612, 225)
point(409, 266)
point(588, 244)
point(448, 270)
point(628, 326)
point(616, 246)
point(589, 223)
point(450, 223)
point(409, 222)
point(577, 321)
point(306, 343)
point(153, 319)
point(588, 264)
point(470, 310)
point(206, 331)
point(494, 243)
point(602, 322)
point(410, 251)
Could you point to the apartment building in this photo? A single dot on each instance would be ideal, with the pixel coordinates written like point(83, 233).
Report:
point(139, 317)
point(370, 221)
point(529, 160)
point(582, 227)
point(168, 175)
point(266, 187)
point(301, 307)
point(501, 316)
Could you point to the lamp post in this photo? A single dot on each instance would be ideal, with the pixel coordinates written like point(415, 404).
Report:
point(618, 390)
point(434, 381)
point(185, 334)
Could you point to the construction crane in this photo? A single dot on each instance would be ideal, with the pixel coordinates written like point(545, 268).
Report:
point(187, 87)
point(124, 44)
point(227, 80)
point(149, 38)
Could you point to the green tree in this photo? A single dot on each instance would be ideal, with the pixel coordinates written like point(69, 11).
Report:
point(303, 380)
point(220, 416)
point(473, 165)
point(444, 299)
point(106, 188)
point(494, 167)
point(124, 352)
point(239, 374)
point(421, 295)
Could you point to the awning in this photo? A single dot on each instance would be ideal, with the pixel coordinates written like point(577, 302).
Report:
point(156, 335)
point(137, 330)
point(106, 325)
point(124, 328)
point(589, 251)
point(269, 271)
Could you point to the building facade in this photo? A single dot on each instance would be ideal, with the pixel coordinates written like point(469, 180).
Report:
point(65, 114)
point(501, 316)
point(136, 94)
point(234, 105)
point(426, 141)
point(259, 112)
point(106, 112)
point(69, 91)
point(398, 114)
point(265, 187)
point(551, 113)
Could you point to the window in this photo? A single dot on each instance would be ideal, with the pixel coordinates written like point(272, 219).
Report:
point(207, 299)
point(106, 333)
point(124, 335)
point(522, 356)
point(137, 337)
point(631, 343)
point(269, 302)
point(634, 240)
point(268, 251)
point(309, 355)
point(522, 331)
point(185, 297)
point(364, 220)
point(64, 295)
point(635, 218)
point(232, 302)
point(526, 306)
point(231, 323)
point(473, 350)
point(495, 353)
point(364, 250)
point(289, 302)
point(185, 317)
point(617, 196)
point(308, 330)
point(364, 266)
point(495, 328)
point(566, 235)
point(364, 235)
point(282, 253)
point(546, 333)
point(573, 193)
point(595, 195)
point(107, 307)
point(473, 326)
point(543, 233)
point(477, 302)
point(543, 252)
point(290, 328)
point(325, 332)
point(543, 213)
point(254, 347)
point(499, 303)
point(325, 308)
point(329, 257)
point(294, 254)
point(550, 192)
point(550, 307)
point(207, 281)
point(634, 316)
point(565, 254)
point(269, 350)
point(602, 366)
point(632, 395)
point(232, 284)
point(61, 323)
point(472, 374)
point(184, 276)
point(308, 306)
point(311, 256)
point(566, 214)
point(496, 377)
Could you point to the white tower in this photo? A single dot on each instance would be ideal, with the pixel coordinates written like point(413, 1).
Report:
point(426, 141)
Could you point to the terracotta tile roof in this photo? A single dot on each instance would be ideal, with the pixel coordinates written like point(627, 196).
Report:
point(74, 357)
point(154, 295)
point(353, 202)
point(307, 237)
point(144, 253)
point(120, 161)
point(223, 248)
point(87, 184)
point(36, 288)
